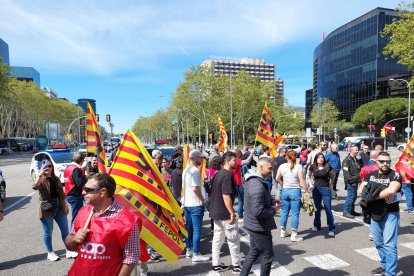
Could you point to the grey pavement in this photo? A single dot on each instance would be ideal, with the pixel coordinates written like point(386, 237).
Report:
point(349, 253)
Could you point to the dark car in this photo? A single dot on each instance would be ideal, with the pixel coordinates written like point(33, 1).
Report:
point(2, 187)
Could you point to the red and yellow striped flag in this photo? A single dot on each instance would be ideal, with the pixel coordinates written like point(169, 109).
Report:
point(142, 189)
point(93, 139)
point(222, 141)
point(186, 155)
point(265, 133)
point(405, 162)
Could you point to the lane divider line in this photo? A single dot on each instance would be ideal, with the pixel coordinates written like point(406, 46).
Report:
point(17, 202)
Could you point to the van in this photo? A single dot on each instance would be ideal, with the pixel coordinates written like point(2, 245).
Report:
point(347, 141)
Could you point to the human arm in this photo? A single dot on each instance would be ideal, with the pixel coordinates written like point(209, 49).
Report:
point(131, 252)
point(197, 192)
point(247, 160)
point(78, 178)
point(392, 189)
point(302, 181)
point(126, 269)
point(38, 181)
point(74, 239)
point(229, 205)
point(279, 177)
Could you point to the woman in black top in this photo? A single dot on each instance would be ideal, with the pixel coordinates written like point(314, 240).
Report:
point(320, 174)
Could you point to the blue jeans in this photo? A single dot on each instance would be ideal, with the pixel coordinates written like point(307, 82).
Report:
point(194, 224)
point(385, 236)
point(76, 203)
point(351, 197)
point(291, 202)
point(323, 194)
point(240, 196)
point(408, 196)
point(47, 224)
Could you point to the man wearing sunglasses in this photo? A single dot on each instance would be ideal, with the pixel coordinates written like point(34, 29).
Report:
point(105, 233)
point(385, 213)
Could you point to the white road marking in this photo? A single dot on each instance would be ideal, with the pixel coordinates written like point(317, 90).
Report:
point(17, 202)
point(277, 270)
point(370, 252)
point(326, 261)
point(339, 214)
point(409, 245)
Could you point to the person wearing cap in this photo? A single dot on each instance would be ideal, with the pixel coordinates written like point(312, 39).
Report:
point(193, 203)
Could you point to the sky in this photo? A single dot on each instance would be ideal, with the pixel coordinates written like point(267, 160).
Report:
point(130, 55)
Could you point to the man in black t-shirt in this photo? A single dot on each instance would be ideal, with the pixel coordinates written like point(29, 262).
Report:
point(385, 213)
point(224, 216)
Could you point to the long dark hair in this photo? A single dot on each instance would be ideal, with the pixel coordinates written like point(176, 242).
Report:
point(53, 176)
point(315, 161)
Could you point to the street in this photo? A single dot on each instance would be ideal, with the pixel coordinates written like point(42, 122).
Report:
point(349, 253)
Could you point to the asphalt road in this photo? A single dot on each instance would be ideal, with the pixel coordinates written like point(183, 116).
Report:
point(349, 253)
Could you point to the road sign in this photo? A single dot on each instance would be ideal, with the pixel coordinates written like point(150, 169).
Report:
point(388, 127)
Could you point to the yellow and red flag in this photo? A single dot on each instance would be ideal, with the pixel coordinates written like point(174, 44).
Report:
point(186, 155)
point(222, 141)
point(265, 133)
point(405, 162)
point(93, 139)
point(279, 138)
point(142, 189)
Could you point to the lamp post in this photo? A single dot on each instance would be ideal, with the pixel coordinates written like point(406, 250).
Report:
point(409, 106)
point(370, 124)
point(231, 113)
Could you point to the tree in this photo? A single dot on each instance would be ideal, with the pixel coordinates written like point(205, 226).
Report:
point(401, 39)
point(325, 115)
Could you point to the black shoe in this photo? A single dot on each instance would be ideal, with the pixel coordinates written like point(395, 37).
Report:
point(378, 271)
point(346, 215)
point(236, 269)
point(356, 214)
point(220, 268)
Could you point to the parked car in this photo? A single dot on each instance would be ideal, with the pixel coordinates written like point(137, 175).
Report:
point(2, 187)
point(60, 157)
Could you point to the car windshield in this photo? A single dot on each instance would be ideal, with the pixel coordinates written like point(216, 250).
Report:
point(62, 157)
point(167, 152)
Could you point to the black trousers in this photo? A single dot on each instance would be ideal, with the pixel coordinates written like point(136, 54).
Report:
point(260, 244)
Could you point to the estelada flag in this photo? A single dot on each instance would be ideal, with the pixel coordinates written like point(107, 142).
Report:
point(405, 162)
point(93, 139)
point(222, 141)
point(142, 189)
point(265, 133)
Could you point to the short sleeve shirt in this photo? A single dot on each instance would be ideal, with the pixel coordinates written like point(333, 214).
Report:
point(191, 179)
point(223, 183)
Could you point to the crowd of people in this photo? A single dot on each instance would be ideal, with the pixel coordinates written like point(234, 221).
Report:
point(104, 236)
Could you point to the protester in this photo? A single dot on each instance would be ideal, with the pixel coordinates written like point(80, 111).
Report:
point(157, 157)
point(264, 151)
point(177, 179)
point(74, 178)
point(166, 171)
point(385, 213)
point(238, 178)
point(320, 174)
point(291, 183)
point(53, 206)
point(224, 216)
point(364, 154)
point(334, 160)
point(92, 166)
point(351, 170)
point(178, 153)
point(279, 160)
point(406, 183)
point(371, 165)
point(303, 157)
point(106, 227)
point(193, 202)
point(259, 217)
point(214, 167)
point(214, 153)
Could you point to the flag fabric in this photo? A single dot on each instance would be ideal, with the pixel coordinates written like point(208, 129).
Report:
point(142, 189)
point(279, 138)
point(93, 139)
point(265, 133)
point(222, 141)
point(186, 155)
point(405, 162)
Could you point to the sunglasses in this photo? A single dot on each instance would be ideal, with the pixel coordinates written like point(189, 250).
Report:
point(90, 190)
point(384, 161)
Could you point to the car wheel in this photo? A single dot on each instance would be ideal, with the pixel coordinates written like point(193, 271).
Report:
point(3, 192)
point(33, 175)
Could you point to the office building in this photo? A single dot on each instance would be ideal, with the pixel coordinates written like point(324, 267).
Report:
point(309, 103)
point(4, 52)
point(50, 92)
point(349, 66)
point(25, 74)
point(83, 103)
point(256, 67)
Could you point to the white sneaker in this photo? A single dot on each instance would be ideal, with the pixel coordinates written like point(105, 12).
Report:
point(314, 229)
point(331, 234)
point(189, 253)
point(370, 237)
point(51, 256)
point(296, 238)
point(71, 254)
point(240, 220)
point(284, 233)
point(200, 259)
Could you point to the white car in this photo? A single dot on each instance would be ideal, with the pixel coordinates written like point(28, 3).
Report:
point(60, 158)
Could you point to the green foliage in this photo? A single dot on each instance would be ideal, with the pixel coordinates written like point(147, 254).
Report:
point(325, 114)
point(381, 111)
point(401, 39)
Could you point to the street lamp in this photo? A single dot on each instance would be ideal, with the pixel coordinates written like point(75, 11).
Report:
point(409, 106)
point(370, 124)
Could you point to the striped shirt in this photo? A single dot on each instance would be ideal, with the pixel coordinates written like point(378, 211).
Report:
point(131, 250)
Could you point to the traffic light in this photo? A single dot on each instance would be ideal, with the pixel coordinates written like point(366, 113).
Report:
point(108, 117)
point(382, 132)
point(97, 117)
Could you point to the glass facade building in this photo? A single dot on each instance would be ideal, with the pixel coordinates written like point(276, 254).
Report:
point(83, 103)
point(4, 52)
point(25, 74)
point(349, 66)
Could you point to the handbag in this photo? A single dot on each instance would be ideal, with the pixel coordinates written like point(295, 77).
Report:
point(48, 205)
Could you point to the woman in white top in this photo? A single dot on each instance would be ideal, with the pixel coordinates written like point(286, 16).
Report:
point(290, 177)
